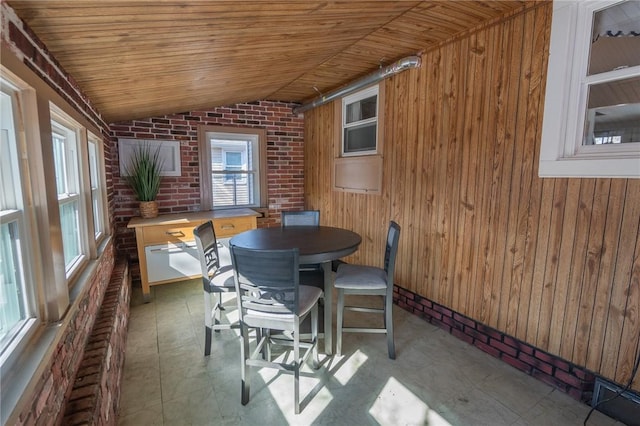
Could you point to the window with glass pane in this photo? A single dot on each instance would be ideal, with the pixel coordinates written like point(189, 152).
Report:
point(96, 194)
point(613, 99)
point(233, 163)
point(12, 306)
point(360, 122)
point(68, 185)
point(13, 292)
point(591, 125)
point(234, 168)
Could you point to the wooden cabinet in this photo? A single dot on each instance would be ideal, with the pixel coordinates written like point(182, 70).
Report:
point(167, 250)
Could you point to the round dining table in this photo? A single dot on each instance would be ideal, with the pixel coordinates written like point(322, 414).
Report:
point(317, 245)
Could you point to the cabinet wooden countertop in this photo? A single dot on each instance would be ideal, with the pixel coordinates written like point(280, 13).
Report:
point(187, 217)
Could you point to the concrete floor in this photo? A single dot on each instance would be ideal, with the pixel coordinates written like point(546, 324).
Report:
point(436, 379)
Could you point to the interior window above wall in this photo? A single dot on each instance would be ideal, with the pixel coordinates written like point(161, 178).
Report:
point(592, 106)
point(358, 163)
point(360, 122)
point(232, 167)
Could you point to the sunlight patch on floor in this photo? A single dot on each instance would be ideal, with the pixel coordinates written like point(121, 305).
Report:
point(391, 407)
point(350, 367)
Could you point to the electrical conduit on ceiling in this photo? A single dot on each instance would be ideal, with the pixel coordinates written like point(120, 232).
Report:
point(381, 74)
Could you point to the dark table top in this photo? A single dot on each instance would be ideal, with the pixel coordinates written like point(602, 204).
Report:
point(317, 244)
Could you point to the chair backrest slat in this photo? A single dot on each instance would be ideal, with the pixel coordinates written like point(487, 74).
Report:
point(391, 250)
point(300, 218)
point(207, 249)
point(267, 279)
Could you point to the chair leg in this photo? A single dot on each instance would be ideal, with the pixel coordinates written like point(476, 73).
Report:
point(339, 319)
point(217, 310)
point(244, 368)
point(208, 323)
point(388, 320)
point(207, 340)
point(314, 336)
point(296, 366)
point(266, 349)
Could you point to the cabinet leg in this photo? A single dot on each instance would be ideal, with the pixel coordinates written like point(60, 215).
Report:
point(146, 293)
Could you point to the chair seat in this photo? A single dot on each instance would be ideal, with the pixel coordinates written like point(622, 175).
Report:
point(360, 277)
point(307, 297)
point(222, 278)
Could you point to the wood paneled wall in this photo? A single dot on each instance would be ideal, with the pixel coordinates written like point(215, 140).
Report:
point(553, 262)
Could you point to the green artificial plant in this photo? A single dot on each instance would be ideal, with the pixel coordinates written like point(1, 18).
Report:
point(143, 172)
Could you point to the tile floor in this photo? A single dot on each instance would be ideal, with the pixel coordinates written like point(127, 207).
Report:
point(435, 380)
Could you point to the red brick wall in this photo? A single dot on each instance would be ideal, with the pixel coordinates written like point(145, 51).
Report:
point(285, 162)
point(94, 399)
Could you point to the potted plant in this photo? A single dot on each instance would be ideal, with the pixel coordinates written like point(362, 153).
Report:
point(143, 175)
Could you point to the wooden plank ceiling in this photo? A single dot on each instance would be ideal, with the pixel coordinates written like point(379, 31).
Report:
point(143, 58)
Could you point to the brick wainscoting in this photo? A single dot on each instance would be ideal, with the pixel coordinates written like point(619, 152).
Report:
point(563, 375)
point(95, 395)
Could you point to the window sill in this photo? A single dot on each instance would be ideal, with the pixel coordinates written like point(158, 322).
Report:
point(590, 168)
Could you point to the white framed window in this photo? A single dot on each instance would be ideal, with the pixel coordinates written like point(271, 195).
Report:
point(232, 167)
point(17, 294)
point(66, 135)
point(97, 179)
point(46, 195)
point(360, 123)
point(591, 124)
point(235, 162)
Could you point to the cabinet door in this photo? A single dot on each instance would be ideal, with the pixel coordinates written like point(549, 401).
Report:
point(171, 261)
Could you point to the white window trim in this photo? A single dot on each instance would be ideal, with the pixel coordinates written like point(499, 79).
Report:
point(561, 150)
point(347, 100)
point(82, 186)
point(27, 249)
point(259, 159)
point(101, 195)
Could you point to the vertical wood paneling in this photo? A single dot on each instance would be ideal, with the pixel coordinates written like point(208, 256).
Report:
point(538, 223)
point(551, 299)
point(568, 228)
point(623, 327)
point(608, 254)
point(477, 95)
point(464, 234)
point(590, 272)
point(581, 221)
point(553, 262)
point(421, 191)
point(491, 186)
point(513, 268)
point(430, 138)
